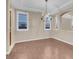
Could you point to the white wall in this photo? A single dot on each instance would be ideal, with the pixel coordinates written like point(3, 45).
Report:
point(65, 36)
point(36, 28)
point(67, 22)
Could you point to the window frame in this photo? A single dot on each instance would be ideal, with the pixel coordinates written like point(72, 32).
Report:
point(17, 20)
point(45, 23)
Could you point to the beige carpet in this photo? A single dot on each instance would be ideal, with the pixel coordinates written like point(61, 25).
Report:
point(42, 49)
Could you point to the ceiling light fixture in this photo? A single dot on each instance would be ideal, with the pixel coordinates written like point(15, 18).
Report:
point(46, 11)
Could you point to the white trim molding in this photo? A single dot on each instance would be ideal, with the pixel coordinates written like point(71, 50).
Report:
point(10, 49)
point(62, 40)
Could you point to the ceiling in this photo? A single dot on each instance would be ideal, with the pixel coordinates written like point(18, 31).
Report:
point(39, 5)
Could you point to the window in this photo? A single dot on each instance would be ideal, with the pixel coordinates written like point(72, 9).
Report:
point(22, 21)
point(47, 23)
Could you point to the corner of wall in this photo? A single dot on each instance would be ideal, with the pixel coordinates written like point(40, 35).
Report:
point(10, 49)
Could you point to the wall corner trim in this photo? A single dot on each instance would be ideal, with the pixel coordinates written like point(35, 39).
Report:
point(10, 49)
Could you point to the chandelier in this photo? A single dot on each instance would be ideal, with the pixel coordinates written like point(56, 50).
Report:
point(45, 12)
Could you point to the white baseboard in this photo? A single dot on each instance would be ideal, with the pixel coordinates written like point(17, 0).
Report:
point(31, 40)
point(10, 49)
point(62, 40)
point(44, 38)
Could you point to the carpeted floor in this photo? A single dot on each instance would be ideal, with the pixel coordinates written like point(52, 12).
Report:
point(42, 49)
